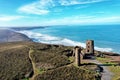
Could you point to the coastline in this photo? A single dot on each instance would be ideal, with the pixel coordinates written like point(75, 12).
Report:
point(48, 39)
point(7, 35)
point(103, 55)
point(15, 30)
point(27, 28)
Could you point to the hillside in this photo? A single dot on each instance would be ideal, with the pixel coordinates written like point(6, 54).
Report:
point(36, 61)
point(11, 36)
point(27, 28)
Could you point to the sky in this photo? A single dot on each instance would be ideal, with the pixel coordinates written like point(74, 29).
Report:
point(59, 12)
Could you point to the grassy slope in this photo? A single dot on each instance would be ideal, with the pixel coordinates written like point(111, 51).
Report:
point(14, 62)
point(66, 73)
point(52, 55)
point(54, 64)
point(47, 59)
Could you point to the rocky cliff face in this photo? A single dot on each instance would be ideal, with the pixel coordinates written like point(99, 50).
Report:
point(11, 36)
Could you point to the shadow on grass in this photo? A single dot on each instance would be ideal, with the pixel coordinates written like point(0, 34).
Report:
point(99, 68)
point(104, 64)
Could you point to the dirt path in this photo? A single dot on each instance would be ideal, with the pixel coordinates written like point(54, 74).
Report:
point(33, 65)
point(106, 75)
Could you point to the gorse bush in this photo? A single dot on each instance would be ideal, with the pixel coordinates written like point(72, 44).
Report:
point(67, 73)
point(50, 56)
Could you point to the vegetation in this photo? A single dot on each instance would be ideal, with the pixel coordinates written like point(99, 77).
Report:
point(25, 79)
point(29, 60)
point(106, 61)
point(49, 56)
point(116, 71)
point(15, 64)
point(72, 59)
point(103, 60)
point(67, 73)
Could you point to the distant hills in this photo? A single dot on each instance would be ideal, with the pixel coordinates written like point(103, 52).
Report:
point(27, 28)
point(12, 36)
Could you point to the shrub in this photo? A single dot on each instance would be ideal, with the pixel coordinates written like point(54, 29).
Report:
point(67, 73)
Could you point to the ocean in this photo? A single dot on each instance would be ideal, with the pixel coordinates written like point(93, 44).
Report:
point(106, 37)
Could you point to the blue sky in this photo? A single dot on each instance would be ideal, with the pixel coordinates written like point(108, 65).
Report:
point(59, 12)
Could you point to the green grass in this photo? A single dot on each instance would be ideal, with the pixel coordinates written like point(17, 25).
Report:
point(51, 57)
point(116, 71)
point(67, 73)
point(41, 71)
point(25, 79)
point(103, 60)
point(15, 64)
point(72, 59)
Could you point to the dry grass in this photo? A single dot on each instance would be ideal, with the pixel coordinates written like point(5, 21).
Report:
point(116, 71)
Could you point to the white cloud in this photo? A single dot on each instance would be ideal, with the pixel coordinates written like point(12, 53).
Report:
point(111, 19)
point(40, 7)
point(72, 20)
point(74, 2)
point(43, 7)
point(33, 10)
point(9, 18)
point(83, 20)
point(81, 7)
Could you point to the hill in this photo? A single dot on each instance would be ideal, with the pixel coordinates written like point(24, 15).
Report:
point(11, 36)
point(36, 61)
point(27, 28)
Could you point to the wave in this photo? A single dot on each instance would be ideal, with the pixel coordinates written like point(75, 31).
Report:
point(44, 38)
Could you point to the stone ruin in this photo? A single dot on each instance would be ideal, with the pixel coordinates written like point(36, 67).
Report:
point(79, 55)
point(90, 47)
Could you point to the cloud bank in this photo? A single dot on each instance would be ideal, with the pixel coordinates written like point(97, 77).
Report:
point(43, 7)
point(83, 20)
point(74, 2)
point(9, 18)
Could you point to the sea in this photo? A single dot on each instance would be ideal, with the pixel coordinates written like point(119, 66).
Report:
point(106, 37)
